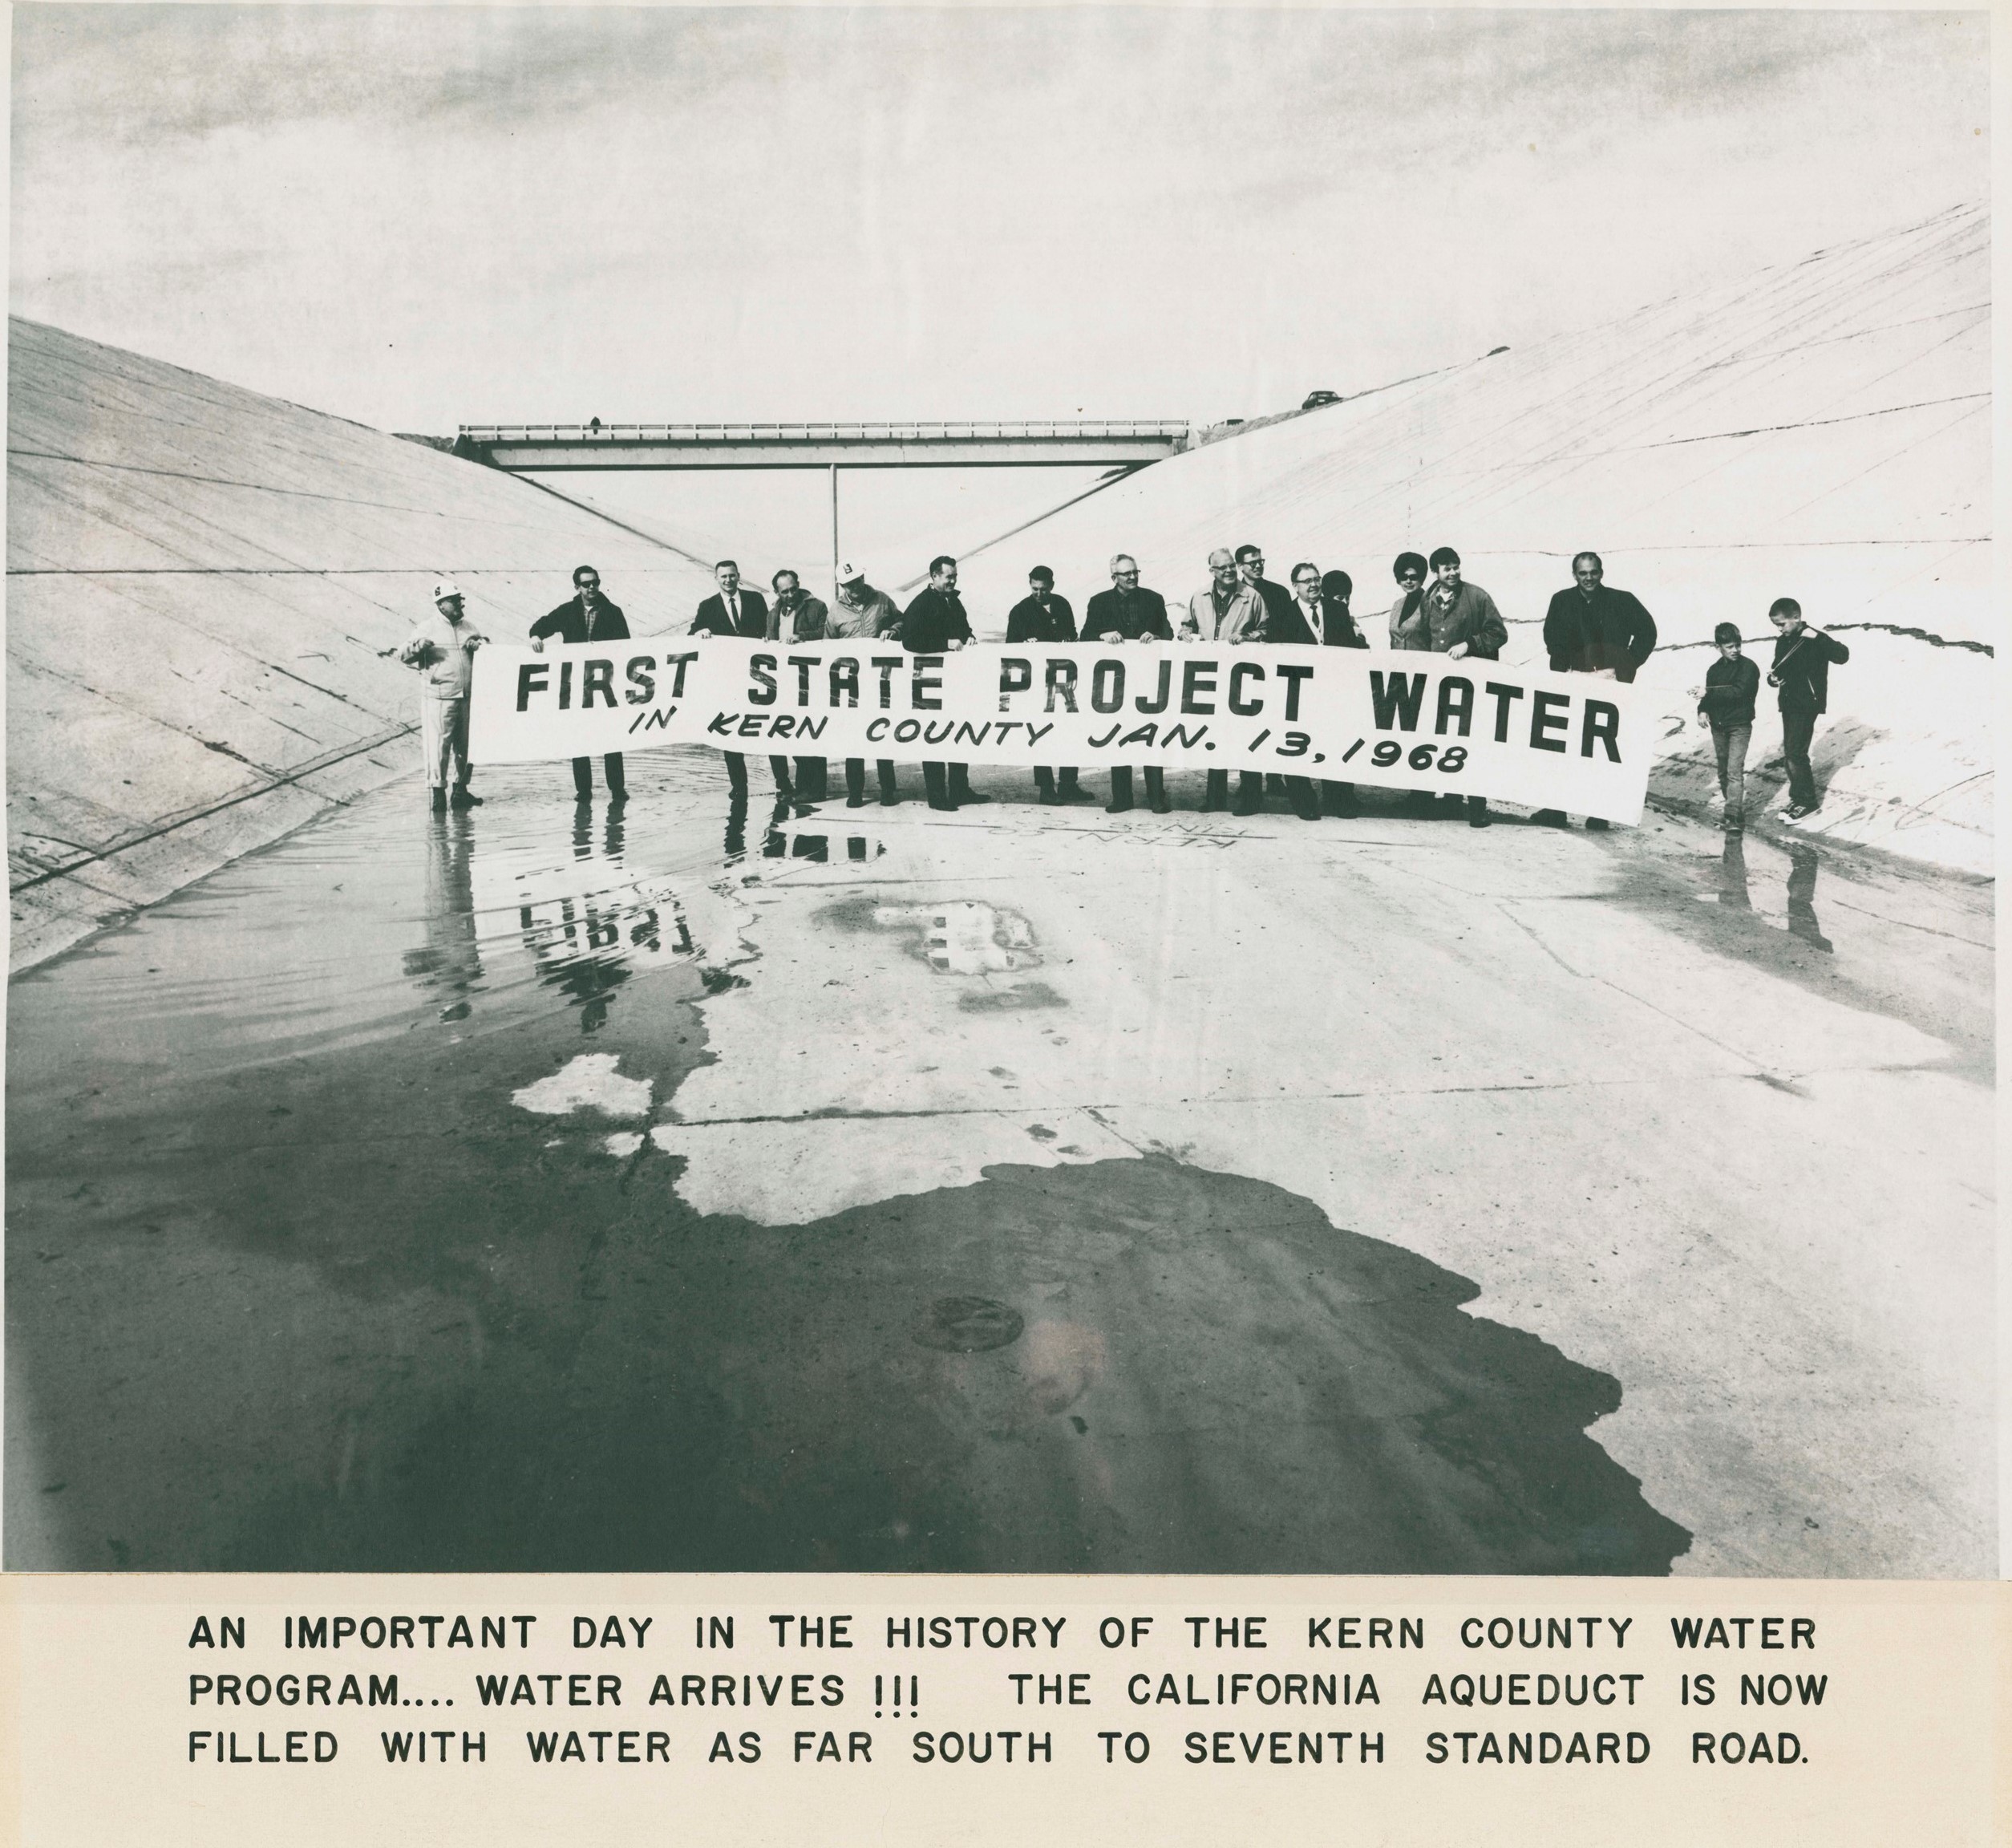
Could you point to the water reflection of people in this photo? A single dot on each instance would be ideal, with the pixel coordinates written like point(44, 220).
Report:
point(450, 961)
point(1732, 875)
point(584, 950)
point(1802, 862)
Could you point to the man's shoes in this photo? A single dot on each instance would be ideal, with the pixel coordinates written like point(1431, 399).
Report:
point(463, 798)
point(1595, 825)
point(1799, 810)
point(1308, 814)
point(967, 795)
point(1549, 818)
point(856, 801)
point(1477, 812)
point(1069, 790)
point(1117, 808)
point(439, 801)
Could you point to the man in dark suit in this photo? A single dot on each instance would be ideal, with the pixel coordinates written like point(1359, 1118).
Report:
point(589, 617)
point(1127, 613)
point(733, 611)
point(1592, 628)
point(1042, 616)
point(935, 623)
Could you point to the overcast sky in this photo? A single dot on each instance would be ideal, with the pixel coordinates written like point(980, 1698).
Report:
point(422, 217)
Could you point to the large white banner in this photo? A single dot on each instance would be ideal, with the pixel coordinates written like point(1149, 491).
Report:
point(1396, 721)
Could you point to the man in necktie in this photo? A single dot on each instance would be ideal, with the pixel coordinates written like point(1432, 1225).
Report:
point(732, 611)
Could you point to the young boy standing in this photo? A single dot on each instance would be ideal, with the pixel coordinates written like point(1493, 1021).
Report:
point(1801, 669)
point(1732, 683)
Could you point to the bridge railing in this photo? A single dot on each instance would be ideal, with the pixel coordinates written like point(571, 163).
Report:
point(1050, 430)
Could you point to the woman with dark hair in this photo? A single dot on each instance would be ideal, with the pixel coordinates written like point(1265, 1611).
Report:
point(1408, 627)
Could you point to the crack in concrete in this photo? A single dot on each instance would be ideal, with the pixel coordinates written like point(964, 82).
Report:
point(1097, 1112)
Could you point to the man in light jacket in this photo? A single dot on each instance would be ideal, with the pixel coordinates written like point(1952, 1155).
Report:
point(442, 646)
point(1458, 620)
point(1228, 611)
point(859, 612)
point(797, 616)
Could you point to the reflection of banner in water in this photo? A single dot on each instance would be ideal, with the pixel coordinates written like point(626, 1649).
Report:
point(580, 916)
point(1396, 721)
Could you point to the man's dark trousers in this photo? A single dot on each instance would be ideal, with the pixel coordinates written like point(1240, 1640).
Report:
point(855, 780)
point(1798, 727)
point(583, 777)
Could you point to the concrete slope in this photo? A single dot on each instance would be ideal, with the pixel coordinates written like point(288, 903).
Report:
point(1819, 430)
point(201, 582)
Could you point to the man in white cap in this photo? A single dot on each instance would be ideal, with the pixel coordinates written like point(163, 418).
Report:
point(859, 612)
point(442, 646)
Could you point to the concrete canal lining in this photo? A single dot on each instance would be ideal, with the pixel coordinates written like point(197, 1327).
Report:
point(202, 582)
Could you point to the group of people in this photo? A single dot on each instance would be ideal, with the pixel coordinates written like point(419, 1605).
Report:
point(1590, 628)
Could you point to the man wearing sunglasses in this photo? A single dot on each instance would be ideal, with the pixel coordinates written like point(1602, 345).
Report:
point(589, 617)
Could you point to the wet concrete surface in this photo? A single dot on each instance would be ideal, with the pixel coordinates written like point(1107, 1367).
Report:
point(1020, 1191)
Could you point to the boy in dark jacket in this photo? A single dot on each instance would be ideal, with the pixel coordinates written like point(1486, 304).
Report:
point(1801, 669)
point(1731, 683)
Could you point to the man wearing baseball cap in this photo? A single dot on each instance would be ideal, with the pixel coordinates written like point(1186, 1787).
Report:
point(860, 611)
point(442, 646)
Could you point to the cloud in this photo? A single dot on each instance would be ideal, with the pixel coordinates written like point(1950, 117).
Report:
point(413, 215)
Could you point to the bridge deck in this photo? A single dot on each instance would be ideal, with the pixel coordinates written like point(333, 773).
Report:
point(980, 443)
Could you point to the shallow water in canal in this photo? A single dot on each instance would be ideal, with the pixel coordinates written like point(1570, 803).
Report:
point(336, 1239)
